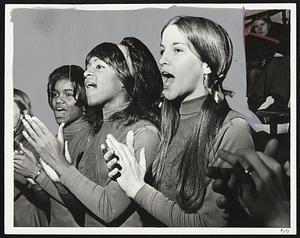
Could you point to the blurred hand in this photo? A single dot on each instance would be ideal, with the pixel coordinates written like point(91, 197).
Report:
point(261, 189)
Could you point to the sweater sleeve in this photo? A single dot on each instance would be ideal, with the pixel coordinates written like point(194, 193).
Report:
point(109, 202)
point(48, 185)
point(236, 135)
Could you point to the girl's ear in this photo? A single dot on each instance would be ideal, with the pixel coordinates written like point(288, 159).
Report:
point(206, 69)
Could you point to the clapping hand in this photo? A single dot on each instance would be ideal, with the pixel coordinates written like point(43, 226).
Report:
point(130, 172)
point(49, 148)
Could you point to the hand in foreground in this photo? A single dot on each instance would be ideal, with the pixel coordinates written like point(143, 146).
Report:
point(223, 184)
point(49, 148)
point(51, 172)
point(236, 214)
point(260, 186)
point(131, 172)
point(25, 163)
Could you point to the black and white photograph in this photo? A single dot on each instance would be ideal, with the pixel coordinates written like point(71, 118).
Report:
point(134, 118)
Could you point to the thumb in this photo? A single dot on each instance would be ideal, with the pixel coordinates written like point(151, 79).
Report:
point(60, 133)
point(271, 147)
point(27, 152)
point(129, 141)
point(67, 153)
point(142, 163)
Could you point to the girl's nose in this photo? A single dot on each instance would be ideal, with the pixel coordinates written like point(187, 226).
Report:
point(164, 59)
point(59, 98)
point(87, 73)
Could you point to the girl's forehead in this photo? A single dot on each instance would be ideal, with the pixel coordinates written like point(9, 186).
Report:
point(94, 60)
point(63, 84)
point(173, 34)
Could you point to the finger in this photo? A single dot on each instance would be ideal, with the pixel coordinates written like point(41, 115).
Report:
point(18, 162)
point(286, 167)
point(129, 156)
point(112, 143)
point(29, 139)
point(143, 160)
point(112, 174)
point(104, 149)
point(227, 156)
point(112, 147)
point(222, 202)
point(60, 133)
point(270, 162)
point(258, 184)
point(271, 147)
point(38, 130)
point(28, 152)
point(40, 124)
point(114, 153)
point(67, 153)
point(19, 157)
point(30, 130)
point(275, 168)
point(117, 147)
point(238, 165)
point(129, 141)
point(217, 172)
point(250, 158)
point(221, 187)
point(109, 155)
point(112, 164)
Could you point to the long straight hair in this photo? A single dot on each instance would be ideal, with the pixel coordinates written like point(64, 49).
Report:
point(212, 45)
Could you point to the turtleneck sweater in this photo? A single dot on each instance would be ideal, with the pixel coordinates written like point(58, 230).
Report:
point(234, 134)
point(106, 203)
point(64, 208)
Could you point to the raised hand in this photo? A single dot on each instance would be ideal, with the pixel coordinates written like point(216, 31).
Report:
point(51, 172)
point(260, 187)
point(49, 148)
point(132, 173)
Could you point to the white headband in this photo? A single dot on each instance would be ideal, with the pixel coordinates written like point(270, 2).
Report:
point(125, 52)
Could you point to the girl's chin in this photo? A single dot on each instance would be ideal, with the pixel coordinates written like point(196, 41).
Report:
point(94, 103)
point(169, 95)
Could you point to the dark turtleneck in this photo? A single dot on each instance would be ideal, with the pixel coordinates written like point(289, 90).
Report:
point(102, 197)
point(188, 112)
point(191, 107)
point(109, 111)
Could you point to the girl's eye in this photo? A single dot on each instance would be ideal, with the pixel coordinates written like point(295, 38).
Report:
point(161, 52)
point(54, 94)
point(69, 94)
point(98, 66)
point(177, 50)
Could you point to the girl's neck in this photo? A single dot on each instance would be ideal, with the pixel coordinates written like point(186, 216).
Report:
point(197, 93)
point(109, 110)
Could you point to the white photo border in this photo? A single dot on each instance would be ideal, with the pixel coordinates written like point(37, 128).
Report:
point(8, 176)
